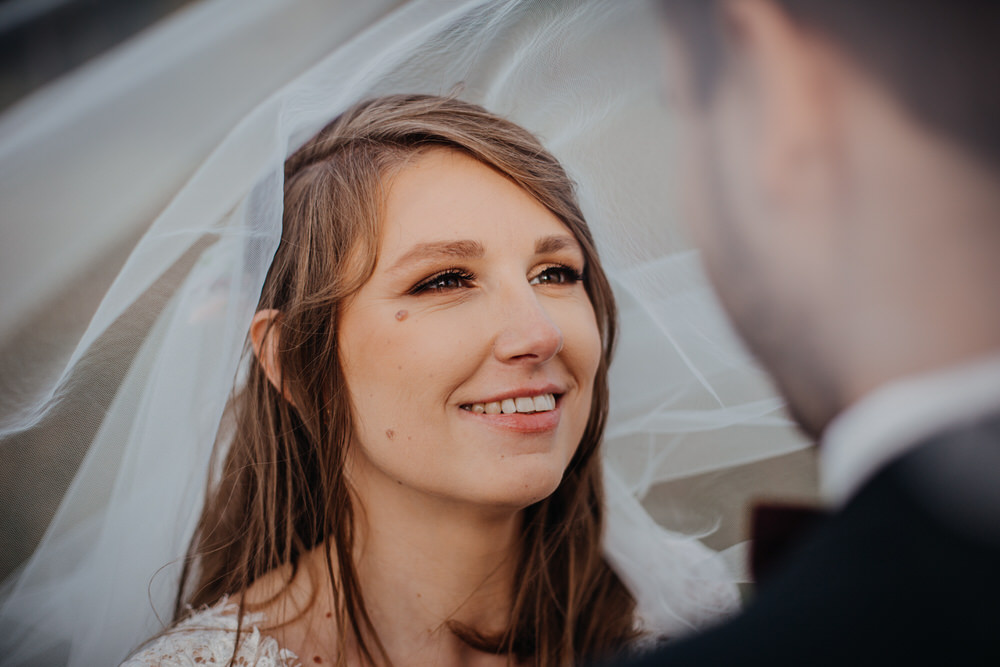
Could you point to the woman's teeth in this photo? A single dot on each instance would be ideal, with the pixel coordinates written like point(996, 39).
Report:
point(525, 404)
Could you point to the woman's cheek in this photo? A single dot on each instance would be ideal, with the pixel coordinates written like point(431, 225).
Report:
point(583, 335)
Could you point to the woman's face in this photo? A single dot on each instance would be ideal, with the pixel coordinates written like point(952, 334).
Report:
point(470, 354)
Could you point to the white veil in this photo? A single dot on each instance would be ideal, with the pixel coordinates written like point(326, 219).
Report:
point(169, 151)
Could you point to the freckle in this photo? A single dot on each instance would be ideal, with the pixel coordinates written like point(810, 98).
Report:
point(389, 433)
point(401, 315)
point(418, 594)
point(329, 614)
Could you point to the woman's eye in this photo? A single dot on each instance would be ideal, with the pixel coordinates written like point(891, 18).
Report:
point(557, 275)
point(442, 282)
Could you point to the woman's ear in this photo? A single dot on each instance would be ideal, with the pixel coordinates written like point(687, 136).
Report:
point(264, 339)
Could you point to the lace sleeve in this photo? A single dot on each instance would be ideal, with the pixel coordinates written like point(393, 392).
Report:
point(208, 638)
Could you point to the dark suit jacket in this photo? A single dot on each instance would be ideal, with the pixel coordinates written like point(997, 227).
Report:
point(908, 573)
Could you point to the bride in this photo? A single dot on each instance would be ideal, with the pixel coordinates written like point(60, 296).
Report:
point(169, 160)
point(415, 475)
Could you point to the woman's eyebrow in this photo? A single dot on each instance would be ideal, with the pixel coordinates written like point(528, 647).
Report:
point(475, 250)
point(555, 243)
point(439, 249)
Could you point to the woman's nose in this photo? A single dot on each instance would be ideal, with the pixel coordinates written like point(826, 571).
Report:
point(526, 332)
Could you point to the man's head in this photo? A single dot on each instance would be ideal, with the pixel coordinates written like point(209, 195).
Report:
point(844, 158)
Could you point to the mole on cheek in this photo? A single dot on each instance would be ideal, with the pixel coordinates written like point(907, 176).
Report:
point(389, 433)
point(401, 315)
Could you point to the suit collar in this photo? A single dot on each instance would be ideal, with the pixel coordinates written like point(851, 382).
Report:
point(890, 421)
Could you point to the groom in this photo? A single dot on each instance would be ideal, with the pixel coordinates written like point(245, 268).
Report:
point(844, 164)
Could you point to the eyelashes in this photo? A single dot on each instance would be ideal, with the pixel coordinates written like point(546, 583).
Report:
point(559, 274)
point(443, 281)
point(452, 279)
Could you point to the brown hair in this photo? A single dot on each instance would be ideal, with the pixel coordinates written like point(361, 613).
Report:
point(282, 489)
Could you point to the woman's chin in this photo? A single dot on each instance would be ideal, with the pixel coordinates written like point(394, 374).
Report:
point(528, 486)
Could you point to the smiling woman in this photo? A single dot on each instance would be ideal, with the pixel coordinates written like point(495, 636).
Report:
point(143, 201)
point(493, 323)
point(416, 450)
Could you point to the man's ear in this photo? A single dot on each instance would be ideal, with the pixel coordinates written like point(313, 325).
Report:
point(780, 69)
point(264, 340)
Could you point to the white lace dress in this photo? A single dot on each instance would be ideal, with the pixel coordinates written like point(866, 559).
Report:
point(207, 638)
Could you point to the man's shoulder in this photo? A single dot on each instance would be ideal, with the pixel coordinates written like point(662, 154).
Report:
point(888, 579)
point(953, 479)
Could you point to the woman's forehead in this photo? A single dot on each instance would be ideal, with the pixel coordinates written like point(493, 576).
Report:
point(445, 199)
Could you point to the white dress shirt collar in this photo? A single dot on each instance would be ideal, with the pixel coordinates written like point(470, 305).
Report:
point(885, 424)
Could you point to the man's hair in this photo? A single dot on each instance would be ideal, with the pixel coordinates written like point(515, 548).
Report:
point(939, 58)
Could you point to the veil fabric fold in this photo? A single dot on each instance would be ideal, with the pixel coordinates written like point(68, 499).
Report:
point(161, 165)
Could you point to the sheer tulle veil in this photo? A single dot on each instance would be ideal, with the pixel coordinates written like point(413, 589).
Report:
point(168, 152)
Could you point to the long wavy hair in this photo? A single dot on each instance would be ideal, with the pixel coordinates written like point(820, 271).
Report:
point(281, 490)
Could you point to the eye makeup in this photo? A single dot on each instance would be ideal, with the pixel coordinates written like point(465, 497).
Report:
point(443, 281)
